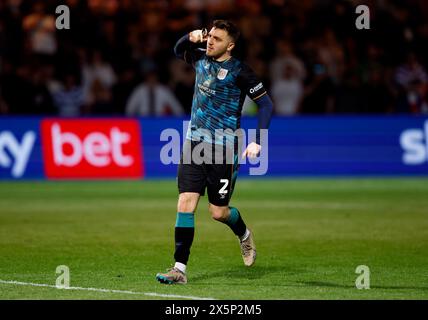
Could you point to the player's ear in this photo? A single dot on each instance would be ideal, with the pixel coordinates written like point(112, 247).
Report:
point(230, 46)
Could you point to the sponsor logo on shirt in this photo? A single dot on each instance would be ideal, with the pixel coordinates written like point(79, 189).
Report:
point(206, 90)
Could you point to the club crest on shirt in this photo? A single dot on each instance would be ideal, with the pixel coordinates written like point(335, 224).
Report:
point(222, 73)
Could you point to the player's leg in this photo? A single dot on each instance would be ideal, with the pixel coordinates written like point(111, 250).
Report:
point(184, 228)
point(183, 235)
point(229, 216)
point(220, 185)
point(232, 217)
point(191, 180)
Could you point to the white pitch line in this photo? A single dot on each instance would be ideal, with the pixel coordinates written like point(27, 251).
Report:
point(151, 294)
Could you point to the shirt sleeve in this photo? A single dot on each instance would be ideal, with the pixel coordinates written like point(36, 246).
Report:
point(250, 83)
point(188, 51)
point(264, 115)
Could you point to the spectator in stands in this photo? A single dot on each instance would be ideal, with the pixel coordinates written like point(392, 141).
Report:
point(40, 28)
point(122, 90)
point(152, 98)
point(98, 79)
point(414, 100)
point(331, 54)
point(287, 91)
point(42, 102)
point(275, 34)
point(52, 83)
point(17, 88)
point(412, 80)
point(285, 57)
point(410, 71)
point(319, 93)
point(69, 98)
point(377, 95)
point(183, 81)
point(101, 101)
point(348, 97)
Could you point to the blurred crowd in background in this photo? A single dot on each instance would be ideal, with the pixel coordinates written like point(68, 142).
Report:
point(117, 57)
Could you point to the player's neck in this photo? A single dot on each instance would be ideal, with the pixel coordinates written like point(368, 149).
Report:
point(223, 58)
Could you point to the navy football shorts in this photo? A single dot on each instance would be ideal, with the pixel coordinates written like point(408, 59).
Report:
point(215, 171)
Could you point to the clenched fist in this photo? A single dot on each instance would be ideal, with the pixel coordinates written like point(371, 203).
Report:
point(198, 35)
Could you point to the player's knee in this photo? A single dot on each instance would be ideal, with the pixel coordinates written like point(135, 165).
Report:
point(187, 202)
point(218, 213)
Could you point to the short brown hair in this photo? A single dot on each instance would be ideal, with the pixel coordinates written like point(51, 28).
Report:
point(230, 27)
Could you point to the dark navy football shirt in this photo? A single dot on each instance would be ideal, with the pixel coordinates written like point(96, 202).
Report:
point(220, 90)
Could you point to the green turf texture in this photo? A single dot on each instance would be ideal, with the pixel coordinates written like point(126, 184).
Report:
point(311, 234)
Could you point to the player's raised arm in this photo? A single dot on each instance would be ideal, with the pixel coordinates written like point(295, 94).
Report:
point(186, 47)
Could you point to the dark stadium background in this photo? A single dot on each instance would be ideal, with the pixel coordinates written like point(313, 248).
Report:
point(341, 69)
point(348, 150)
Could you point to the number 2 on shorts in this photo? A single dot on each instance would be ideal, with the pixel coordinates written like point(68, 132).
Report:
point(223, 189)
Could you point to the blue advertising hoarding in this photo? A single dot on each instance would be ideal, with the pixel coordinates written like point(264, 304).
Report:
point(298, 146)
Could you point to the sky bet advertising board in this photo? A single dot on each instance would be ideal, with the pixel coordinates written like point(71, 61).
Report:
point(131, 148)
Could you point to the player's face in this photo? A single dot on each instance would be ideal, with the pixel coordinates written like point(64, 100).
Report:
point(218, 43)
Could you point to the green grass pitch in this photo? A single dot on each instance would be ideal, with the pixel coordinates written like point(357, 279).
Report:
point(311, 235)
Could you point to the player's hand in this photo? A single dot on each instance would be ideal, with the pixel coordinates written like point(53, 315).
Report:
point(197, 36)
point(253, 149)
